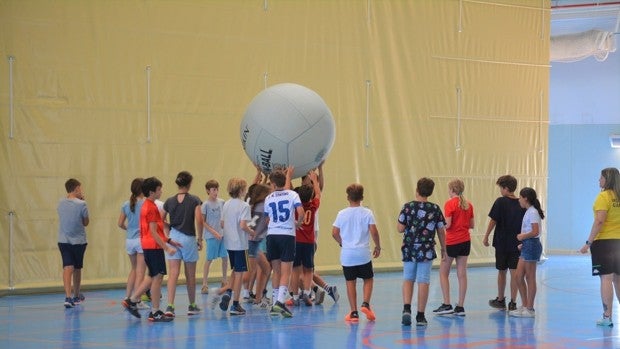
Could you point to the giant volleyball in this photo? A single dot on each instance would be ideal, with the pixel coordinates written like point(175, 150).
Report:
point(287, 125)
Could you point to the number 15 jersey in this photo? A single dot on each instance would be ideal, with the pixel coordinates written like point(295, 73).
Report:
point(280, 206)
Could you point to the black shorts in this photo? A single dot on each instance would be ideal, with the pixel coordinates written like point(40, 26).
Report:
point(605, 257)
point(457, 250)
point(304, 255)
point(363, 271)
point(238, 260)
point(155, 261)
point(281, 247)
point(72, 255)
point(506, 259)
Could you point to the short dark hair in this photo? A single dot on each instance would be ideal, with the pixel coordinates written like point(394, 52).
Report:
point(305, 193)
point(150, 185)
point(355, 192)
point(71, 184)
point(508, 182)
point(184, 179)
point(425, 187)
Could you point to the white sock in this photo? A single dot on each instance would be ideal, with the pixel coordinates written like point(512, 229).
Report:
point(282, 292)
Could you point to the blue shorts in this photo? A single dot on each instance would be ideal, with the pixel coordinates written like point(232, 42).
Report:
point(72, 255)
point(531, 250)
point(238, 260)
point(254, 248)
point(189, 250)
point(417, 271)
point(263, 245)
point(133, 246)
point(215, 249)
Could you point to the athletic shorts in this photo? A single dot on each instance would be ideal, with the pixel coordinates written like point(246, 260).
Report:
point(461, 249)
point(72, 255)
point(155, 261)
point(605, 257)
point(188, 252)
point(531, 250)
point(254, 248)
point(281, 247)
point(363, 271)
point(133, 246)
point(417, 271)
point(238, 260)
point(263, 245)
point(304, 255)
point(215, 249)
point(506, 259)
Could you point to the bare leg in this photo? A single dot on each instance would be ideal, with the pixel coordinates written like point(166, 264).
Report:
point(224, 270)
point(77, 282)
point(422, 296)
point(444, 274)
point(407, 291)
point(501, 283)
point(156, 282)
point(173, 276)
point(513, 285)
point(352, 294)
point(530, 278)
point(67, 276)
point(205, 272)
point(190, 278)
point(520, 280)
point(461, 273)
point(131, 278)
point(607, 293)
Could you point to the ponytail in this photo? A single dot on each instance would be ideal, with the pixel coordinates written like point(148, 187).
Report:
point(458, 187)
point(529, 194)
point(136, 191)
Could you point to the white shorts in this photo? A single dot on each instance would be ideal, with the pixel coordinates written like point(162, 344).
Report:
point(189, 250)
point(133, 246)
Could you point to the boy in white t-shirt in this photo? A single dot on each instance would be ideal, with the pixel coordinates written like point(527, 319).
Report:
point(352, 229)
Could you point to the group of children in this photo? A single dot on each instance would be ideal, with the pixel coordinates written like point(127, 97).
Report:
point(276, 228)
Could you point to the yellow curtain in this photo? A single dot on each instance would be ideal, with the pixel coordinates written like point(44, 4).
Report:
point(105, 91)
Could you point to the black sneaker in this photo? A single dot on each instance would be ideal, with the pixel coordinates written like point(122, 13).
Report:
point(282, 309)
point(69, 303)
point(225, 301)
point(237, 310)
point(497, 304)
point(406, 320)
point(420, 320)
point(131, 307)
point(459, 311)
point(159, 316)
point(512, 306)
point(443, 309)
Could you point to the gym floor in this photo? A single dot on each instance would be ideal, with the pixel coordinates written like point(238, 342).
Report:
point(567, 307)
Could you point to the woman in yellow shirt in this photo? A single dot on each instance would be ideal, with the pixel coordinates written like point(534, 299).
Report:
point(604, 241)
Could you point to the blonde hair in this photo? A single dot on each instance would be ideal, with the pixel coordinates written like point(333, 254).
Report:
point(458, 187)
point(236, 186)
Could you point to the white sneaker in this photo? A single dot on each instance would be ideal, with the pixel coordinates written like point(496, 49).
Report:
point(523, 312)
point(605, 321)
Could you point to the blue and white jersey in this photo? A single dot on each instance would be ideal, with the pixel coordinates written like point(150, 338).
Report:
point(280, 206)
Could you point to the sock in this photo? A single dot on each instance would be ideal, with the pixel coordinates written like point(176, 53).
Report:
point(407, 308)
point(295, 297)
point(282, 292)
point(235, 303)
point(274, 295)
point(315, 288)
point(307, 292)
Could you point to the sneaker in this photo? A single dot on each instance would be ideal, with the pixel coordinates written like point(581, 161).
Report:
point(79, 299)
point(605, 321)
point(291, 302)
point(145, 297)
point(193, 309)
point(204, 289)
point(142, 306)
point(497, 304)
point(282, 309)
point(443, 309)
point(406, 319)
point(237, 310)
point(274, 312)
point(459, 311)
point(522, 312)
point(264, 303)
point(225, 301)
point(332, 291)
point(370, 315)
point(352, 317)
point(420, 320)
point(169, 310)
point(305, 299)
point(159, 316)
point(512, 306)
point(69, 303)
point(320, 296)
point(131, 307)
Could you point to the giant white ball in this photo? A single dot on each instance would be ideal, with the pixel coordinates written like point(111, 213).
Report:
point(287, 125)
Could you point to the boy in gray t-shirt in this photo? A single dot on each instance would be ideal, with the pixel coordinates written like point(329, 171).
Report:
point(72, 219)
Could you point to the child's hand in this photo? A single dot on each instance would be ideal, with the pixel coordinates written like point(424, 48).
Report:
point(520, 246)
point(170, 250)
point(520, 237)
point(376, 252)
